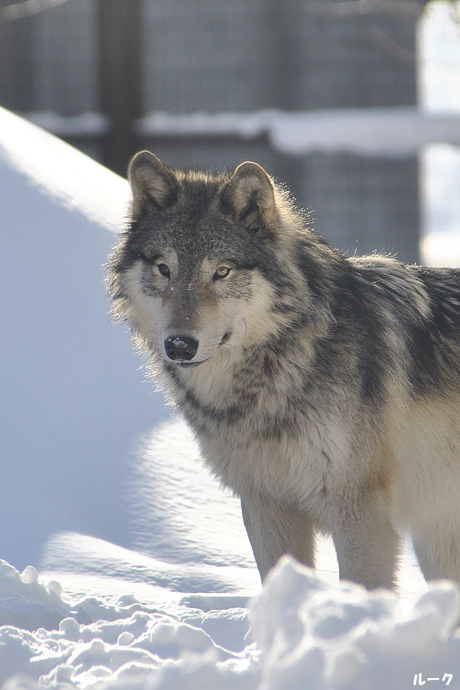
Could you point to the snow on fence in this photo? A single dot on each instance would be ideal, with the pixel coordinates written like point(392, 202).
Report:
point(392, 132)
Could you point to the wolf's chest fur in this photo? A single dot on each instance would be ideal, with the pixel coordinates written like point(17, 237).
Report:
point(263, 425)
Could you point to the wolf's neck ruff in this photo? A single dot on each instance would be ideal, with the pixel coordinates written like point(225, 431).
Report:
point(324, 390)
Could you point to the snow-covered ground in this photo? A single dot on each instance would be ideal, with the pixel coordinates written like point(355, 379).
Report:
point(130, 566)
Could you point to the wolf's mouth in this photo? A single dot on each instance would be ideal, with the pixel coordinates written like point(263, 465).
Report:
point(226, 338)
point(186, 365)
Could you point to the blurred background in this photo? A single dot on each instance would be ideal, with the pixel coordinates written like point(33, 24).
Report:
point(207, 83)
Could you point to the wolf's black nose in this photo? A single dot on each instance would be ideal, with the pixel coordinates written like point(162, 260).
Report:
point(180, 347)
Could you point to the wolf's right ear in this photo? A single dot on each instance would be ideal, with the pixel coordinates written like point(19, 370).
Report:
point(153, 186)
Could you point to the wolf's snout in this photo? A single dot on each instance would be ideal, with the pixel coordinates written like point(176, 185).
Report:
point(180, 347)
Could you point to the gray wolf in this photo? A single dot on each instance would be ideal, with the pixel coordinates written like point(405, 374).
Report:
point(323, 390)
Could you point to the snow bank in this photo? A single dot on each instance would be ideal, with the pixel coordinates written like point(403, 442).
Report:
point(61, 172)
point(299, 632)
point(72, 399)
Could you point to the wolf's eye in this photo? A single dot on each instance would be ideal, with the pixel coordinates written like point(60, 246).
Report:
point(221, 272)
point(163, 269)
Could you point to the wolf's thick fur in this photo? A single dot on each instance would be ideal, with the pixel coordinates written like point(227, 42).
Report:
point(323, 390)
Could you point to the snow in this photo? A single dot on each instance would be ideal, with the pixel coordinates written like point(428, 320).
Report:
point(393, 132)
point(298, 630)
point(125, 564)
point(62, 172)
point(74, 402)
point(84, 124)
point(388, 132)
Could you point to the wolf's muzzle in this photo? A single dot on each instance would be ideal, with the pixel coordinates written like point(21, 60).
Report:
point(180, 348)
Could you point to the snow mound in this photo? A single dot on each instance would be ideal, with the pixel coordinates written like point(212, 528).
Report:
point(72, 400)
point(63, 173)
point(346, 637)
point(298, 630)
point(27, 603)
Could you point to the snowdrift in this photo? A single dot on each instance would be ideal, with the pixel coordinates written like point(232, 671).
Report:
point(298, 633)
point(72, 399)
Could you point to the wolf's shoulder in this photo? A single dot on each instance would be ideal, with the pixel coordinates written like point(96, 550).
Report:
point(422, 286)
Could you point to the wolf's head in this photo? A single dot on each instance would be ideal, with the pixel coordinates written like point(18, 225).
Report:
point(204, 267)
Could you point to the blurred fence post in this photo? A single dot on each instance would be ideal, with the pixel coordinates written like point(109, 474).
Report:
point(119, 77)
point(16, 63)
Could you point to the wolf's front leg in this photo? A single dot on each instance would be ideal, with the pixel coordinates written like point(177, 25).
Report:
point(276, 528)
point(366, 543)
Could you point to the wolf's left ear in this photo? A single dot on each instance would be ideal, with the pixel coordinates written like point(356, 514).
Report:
point(154, 187)
point(250, 197)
